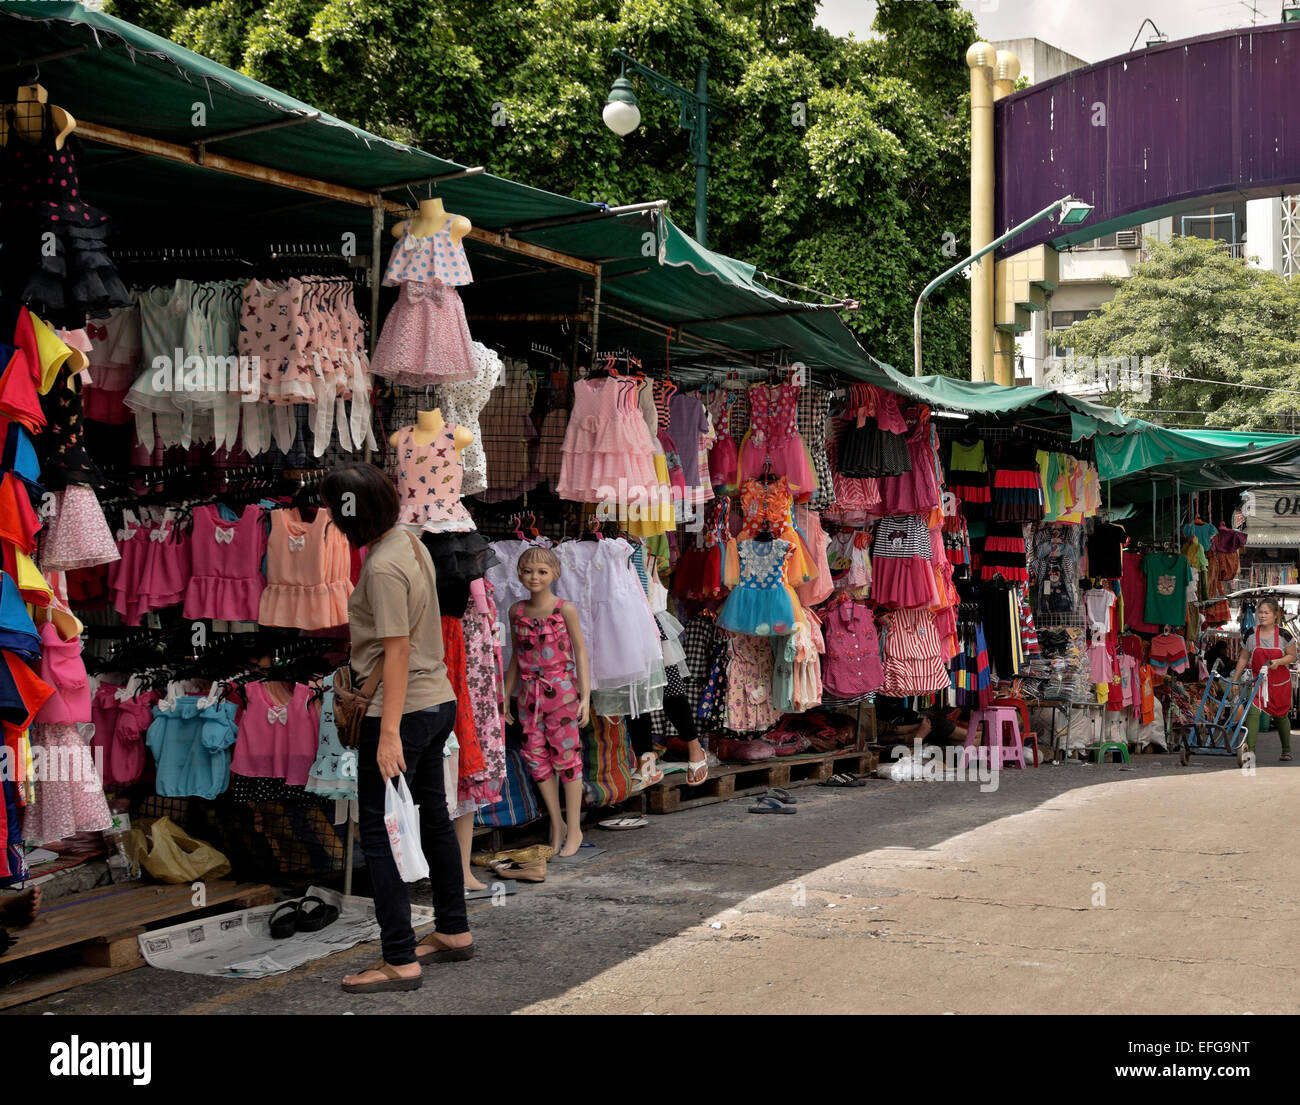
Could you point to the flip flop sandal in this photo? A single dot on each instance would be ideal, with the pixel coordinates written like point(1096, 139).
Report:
point(693, 767)
point(783, 796)
point(649, 772)
point(1284, 757)
point(393, 983)
point(285, 926)
point(442, 954)
point(622, 823)
point(313, 920)
point(840, 780)
point(771, 805)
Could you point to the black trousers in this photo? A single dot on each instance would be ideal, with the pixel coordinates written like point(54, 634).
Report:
point(678, 711)
point(424, 733)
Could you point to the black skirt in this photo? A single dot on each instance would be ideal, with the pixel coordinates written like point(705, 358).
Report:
point(867, 450)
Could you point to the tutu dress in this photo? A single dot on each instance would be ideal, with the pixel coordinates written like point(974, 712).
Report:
point(772, 505)
point(772, 435)
point(607, 449)
point(761, 603)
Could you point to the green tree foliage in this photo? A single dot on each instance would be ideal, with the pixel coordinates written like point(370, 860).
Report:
point(843, 165)
point(1201, 315)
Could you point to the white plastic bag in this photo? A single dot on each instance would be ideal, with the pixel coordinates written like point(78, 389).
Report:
point(402, 820)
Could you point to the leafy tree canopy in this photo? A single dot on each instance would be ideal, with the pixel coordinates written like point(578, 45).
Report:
point(1219, 334)
point(843, 164)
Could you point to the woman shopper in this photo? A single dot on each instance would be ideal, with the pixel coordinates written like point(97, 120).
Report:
point(1270, 648)
point(393, 621)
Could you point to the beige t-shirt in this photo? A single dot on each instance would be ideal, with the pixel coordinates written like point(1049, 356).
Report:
point(396, 596)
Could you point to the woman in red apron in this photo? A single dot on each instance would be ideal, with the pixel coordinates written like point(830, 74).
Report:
point(1270, 649)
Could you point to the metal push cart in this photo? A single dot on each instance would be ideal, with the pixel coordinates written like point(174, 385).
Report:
point(1219, 728)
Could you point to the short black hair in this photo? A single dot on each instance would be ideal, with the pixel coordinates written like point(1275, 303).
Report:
point(362, 502)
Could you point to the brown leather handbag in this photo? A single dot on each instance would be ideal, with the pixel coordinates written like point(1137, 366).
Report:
point(351, 701)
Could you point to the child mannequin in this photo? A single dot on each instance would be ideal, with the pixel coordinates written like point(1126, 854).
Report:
point(548, 652)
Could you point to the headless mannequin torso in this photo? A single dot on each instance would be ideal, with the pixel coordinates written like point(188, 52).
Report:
point(433, 217)
point(428, 425)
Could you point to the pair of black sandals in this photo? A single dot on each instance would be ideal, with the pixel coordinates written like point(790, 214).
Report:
point(309, 914)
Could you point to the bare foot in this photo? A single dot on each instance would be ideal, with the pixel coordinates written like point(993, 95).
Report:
point(441, 941)
point(695, 755)
point(572, 843)
point(21, 909)
point(557, 842)
point(471, 883)
point(405, 970)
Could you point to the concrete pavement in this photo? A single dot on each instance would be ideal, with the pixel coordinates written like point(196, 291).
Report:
point(1073, 888)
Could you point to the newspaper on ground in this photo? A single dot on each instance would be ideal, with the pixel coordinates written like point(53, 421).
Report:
point(239, 944)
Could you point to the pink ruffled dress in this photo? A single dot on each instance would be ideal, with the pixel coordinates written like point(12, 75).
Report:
point(773, 434)
point(226, 558)
point(607, 446)
point(308, 573)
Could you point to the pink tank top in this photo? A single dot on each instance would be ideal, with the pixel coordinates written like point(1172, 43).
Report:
point(308, 573)
point(226, 562)
point(428, 482)
point(277, 734)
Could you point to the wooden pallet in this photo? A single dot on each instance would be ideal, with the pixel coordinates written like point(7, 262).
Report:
point(104, 926)
point(743, 780)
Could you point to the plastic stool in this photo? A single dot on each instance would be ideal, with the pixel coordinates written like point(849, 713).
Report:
point(1100, 750)
point(994, 719)
point(1028, 739)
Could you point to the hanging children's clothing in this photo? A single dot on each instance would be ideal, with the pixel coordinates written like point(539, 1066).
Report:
point(226, 558)
point(749, 685)
point(429, 482)
point(723, 455)
point(462, 403)
point(436, 258)
point(814, 411)
point(1017, 494)
point(819, 588)
point(308, 573)
point(333, 773)
point(279, 731)
point(1002, 552)
point(913, 657)
point(852, 664)
point(971, 677)
point(761, 603)
point(773, 437)
point(771, 505)
point(191, 740)
point(483, 675)
point(901, 563)
point(608, 451)
point(874, 439)
point(968, 476)
point(915, 491)
point(120, 723)
point(1097, 605)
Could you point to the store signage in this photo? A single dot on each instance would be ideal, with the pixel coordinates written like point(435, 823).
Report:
point(1276, 517)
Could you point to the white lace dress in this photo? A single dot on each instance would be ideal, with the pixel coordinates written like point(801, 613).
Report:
point(461, 402)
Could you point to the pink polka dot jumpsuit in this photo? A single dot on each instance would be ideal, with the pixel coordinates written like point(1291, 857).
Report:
point(548, 698)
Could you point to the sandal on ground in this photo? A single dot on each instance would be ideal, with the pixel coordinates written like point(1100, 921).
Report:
point(770, 805)
point(392, 983)
point(692, 767)
point(440, 952)
point(1285, 756)
point(284, 921)
point(840, 780)
point(313, 920)
point(619, 824)
point(783, 796)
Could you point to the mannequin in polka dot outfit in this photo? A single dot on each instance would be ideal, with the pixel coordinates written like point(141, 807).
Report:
point(425, 338)
point(429, 248)
point(56, 241)
point(550, 660)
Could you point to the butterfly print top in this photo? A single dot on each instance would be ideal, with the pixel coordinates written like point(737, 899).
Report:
point(428, 483)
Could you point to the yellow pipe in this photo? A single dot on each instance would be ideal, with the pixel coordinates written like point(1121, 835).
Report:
point(981, 58)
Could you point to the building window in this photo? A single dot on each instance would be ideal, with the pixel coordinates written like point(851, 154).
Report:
point(1063, 320)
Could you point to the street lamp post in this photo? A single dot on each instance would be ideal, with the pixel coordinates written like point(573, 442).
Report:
point(1073, 212)
point(622, 115)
